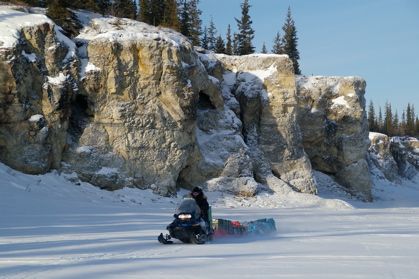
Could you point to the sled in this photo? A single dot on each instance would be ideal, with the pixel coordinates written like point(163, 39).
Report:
point(223, 227)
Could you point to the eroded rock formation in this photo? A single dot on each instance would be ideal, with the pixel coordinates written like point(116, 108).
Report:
point(127, 104)
point(335, 131)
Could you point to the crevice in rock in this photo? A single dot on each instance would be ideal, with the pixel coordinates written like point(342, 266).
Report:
point(181, 181)
point(80, 117)
point(204, 101)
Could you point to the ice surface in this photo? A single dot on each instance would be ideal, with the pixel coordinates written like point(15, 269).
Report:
point(52, 228)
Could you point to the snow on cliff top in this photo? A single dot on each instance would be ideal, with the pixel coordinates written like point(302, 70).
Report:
point(123, 29)
point(12, 21)
point(330, 81)
point(373, 135)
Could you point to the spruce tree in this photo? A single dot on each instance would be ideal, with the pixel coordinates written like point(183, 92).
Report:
point(144, 13)
point(417, 126)
point(57, 10)
point(278, 48)
point(103, 6)
point(229, 46)
point(395, 125)
point(371, 117)
point(388, 120)
point(264, 49)
point(402, 126)
point(236, 44)
point(170, 18)
point(246, 33)
point(124, 8)
point(184, 20)
point(195, 22)
point(156, 12)
point(204, 41)
point(380, 120)
point(290, 41)
point(212, 32)
point(219, 45)
point(410, 125)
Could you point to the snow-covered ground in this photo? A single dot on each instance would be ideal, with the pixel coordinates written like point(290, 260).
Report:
point(52, 228)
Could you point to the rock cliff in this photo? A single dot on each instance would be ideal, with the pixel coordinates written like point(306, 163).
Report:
point(38, 73)
point(335, 130)
point(127, 104)
point(394, 157)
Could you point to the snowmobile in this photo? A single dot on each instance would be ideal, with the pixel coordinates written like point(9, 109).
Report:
point(187, 226)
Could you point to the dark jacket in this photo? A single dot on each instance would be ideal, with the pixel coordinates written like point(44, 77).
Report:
point(202, 202)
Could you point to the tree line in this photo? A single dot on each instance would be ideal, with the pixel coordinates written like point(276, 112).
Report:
point(183, 16)
point(390, 123)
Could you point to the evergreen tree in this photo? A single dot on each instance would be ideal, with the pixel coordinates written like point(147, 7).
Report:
point(402, 126)
point(410, 118)
point(264, 49)
point(236, 44)
point(170, 18)
point(388, 120)
point(124, 8)
point(417, 127)
point(57, 10)
point(185, 22)
point(190, 21)
point(229, 46)
point(278, 48)
point(103, 6)
point(195, 22)
point(204, 41)
point(371, 117)
point(145, 10)
point(219, 45)
point(212, 32)
point(290, 41)
point(395, 124)
point(246, 33)
point(156, 12)
point(380, 120)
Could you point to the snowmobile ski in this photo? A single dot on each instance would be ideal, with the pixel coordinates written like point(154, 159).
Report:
point(164, 240)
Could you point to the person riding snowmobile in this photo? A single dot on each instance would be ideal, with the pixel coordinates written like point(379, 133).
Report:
point(201, 200)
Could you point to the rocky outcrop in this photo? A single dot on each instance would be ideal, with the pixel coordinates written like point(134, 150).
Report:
point(127, 104)
point(38, 68)
point(265, 89)
point(335, 130)
point(139, 88)
point(380, 156)
point(394, 157)
point(405, 151)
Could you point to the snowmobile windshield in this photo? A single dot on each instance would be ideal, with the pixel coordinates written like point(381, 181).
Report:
point(189, 206)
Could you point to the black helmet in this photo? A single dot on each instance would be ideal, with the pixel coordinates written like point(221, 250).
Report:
point(196, 192)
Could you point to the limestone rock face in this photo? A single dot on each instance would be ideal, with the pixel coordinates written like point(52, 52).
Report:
point(380, 155)
point(138, 96)
point(335, 130)
point(261, 91)
point(395, 157)
point(37, 80)
point(125, 104)
point(405, 151)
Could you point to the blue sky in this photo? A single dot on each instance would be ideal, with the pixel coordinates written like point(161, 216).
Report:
point(375, 39)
